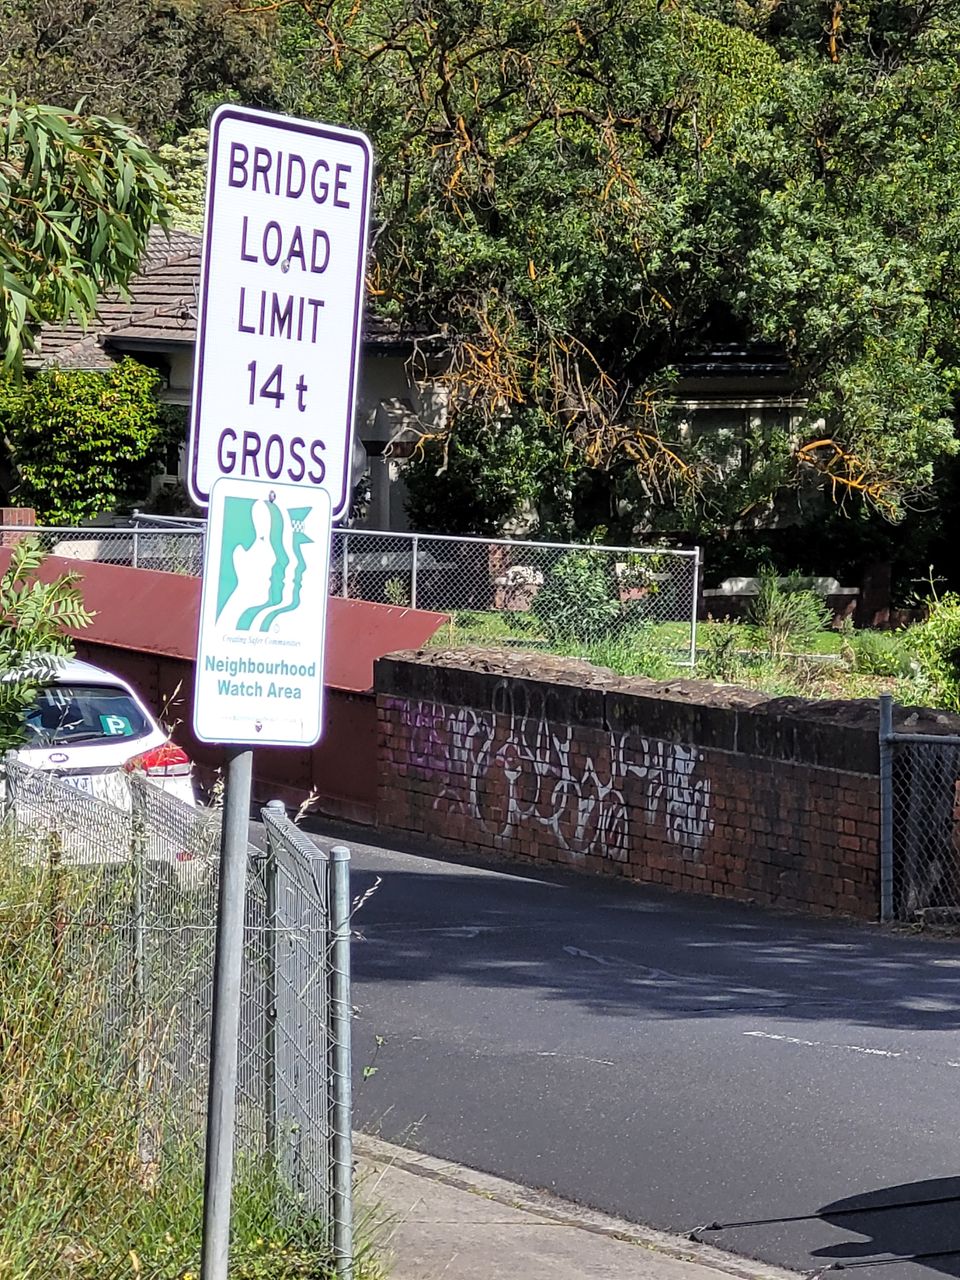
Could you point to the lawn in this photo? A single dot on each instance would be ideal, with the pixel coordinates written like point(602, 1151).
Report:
point(831, 664)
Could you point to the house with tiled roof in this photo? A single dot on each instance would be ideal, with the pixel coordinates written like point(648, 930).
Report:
point(156, 325)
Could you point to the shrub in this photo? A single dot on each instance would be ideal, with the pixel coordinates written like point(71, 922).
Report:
point(786, 617)
point(882, 653)
point(633, 652)
point(720, 656)
point(580, 601)
point(82, 441)
point(936, 645)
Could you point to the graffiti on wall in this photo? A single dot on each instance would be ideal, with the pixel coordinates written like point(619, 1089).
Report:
point(519, 765)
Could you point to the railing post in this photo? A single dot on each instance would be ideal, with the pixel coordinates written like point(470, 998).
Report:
point(138, 852)
point(413, 571)
point(340, 1063)
point(695, 607)
point(344, 563)
point(886, 808)
point(9, 788)
point(271, 1092)
point(135, 559)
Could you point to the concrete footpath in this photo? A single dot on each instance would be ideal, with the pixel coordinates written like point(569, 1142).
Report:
point(431, 1219)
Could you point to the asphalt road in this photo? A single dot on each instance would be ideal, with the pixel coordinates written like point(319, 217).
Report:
point(670, 1060)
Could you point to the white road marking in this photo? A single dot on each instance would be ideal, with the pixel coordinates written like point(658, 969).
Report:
point(574, 1057)
point(824, 1044)
point(856, 1048)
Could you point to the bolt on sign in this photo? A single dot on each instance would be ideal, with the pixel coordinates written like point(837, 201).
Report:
point(280, 305)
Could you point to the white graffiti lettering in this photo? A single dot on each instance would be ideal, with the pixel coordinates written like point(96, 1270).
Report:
point(519, 765)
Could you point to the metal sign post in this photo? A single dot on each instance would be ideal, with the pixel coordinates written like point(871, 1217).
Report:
point(271, 434)
point(227, 972)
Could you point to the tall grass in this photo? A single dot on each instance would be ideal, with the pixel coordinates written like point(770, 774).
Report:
point(101, 1166)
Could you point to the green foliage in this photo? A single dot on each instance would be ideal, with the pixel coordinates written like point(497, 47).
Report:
point(80, 1197)
point(578, 197)
point(785, 617)
point(883, 653)
point(481, 477)
point(719, 654)
point(35, 617)
point(186, 164)
point(635, 651)
point(80, 439)
point(936, 645)
point(579, 599)
point(160, 66)
point(78, 195)
point(397, 592)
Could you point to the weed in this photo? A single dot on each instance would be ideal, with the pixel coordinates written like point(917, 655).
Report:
point(883, 653)
point(786, 618)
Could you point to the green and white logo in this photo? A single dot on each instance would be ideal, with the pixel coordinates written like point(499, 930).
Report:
point(261, 562)
point(263, 614)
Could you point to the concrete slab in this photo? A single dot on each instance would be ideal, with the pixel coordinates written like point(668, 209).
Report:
point(434, 1220)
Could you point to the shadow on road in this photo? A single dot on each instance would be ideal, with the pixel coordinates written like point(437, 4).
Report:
point(919, 1221)
point(629, 951)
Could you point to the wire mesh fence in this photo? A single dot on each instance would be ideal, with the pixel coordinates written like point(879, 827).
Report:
point(167, 549)
point(606, 603)
point(107, 936)
point(920, 824)
point(533, 595)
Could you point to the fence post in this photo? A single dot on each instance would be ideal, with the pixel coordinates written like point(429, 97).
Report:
point(9, 788)
point(886, 808)
point(344, 565)
point(413, 572)
point(695, 607)
point(271, 1093)
point(138, 855)
point(340, 1063)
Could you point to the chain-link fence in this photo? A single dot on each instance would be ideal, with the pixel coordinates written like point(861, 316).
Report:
point(595, 601)
point(107, 936)
point(611, 604)
point(168, 549)
point(919, 823)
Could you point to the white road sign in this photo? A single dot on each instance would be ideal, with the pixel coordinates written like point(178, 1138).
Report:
point(263, 615)
point(280, 306)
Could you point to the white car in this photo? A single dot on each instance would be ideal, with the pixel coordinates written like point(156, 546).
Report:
point(90, 728)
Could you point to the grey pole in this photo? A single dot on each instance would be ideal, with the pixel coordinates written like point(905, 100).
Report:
point(886, 808)
point(696, 606)
point(227, 972)
point(414, 568)
point(272, 1128)
point(340, 1064)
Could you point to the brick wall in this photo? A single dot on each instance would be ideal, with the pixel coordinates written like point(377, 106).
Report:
point(707, 791)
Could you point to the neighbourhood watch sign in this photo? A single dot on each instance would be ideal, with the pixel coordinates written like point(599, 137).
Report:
point(263, 614)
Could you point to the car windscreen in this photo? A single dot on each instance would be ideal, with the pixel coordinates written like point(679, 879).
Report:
point(70, 714)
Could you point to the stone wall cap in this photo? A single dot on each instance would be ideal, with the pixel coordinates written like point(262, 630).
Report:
point(853, 713)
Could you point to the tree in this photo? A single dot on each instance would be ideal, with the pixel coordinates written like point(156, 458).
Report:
point(35, 618)
point(576, 197)
point(158, 64)
point(78, 195)
point(78, 440)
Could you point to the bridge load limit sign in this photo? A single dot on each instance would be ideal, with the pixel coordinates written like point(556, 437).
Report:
point(280, 306)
